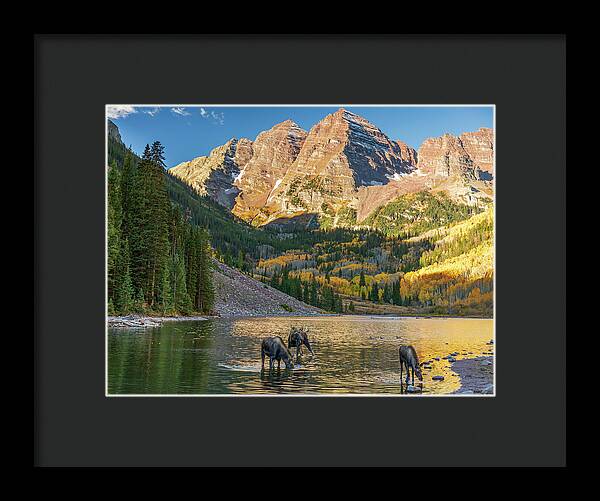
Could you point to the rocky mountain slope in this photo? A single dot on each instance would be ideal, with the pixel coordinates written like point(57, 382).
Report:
point(341, 153)
point(113, 131)
point(239, 295)
point(470, 156)
point(214, 175)
point(460, 166)
point(339, 172)
point(480, 147)
point(274, 151)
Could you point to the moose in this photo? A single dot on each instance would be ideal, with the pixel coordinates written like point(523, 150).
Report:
point(298, 337)
point(409, 359)
point(274, 348)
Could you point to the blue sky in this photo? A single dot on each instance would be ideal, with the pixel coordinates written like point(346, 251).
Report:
point(191, 131)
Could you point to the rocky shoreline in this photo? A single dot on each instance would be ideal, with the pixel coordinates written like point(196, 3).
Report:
point(141, 321)
point(148, 321)
point(476, 375)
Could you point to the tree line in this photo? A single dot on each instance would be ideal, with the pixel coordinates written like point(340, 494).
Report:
point(158, 261)
point(310, 291)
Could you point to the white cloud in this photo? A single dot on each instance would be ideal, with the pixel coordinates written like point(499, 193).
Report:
point(152, 112)
point(218, 118)
point(180, 111)
point(119, 111)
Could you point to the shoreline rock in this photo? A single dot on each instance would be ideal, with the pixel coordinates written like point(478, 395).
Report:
point(143, 322)
point(476, 375)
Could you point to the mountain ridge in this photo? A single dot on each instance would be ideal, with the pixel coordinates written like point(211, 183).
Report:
point(343, 163)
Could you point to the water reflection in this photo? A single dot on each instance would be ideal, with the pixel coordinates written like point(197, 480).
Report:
point(356, 355)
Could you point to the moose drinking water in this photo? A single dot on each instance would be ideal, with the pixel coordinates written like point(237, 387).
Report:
point(409, 359)
point(298, 337)
point(274, 348)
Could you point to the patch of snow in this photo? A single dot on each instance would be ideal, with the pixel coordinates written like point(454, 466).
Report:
point(396, 177)
point(239, 176)
point(277, 183)
point(399, 175)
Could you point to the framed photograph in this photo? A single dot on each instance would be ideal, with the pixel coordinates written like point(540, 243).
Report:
point(356, 250)
point(302, 236)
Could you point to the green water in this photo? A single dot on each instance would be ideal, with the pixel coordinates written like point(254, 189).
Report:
point(353, 355)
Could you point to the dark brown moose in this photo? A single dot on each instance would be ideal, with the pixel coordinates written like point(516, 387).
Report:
point(274, 348)
point(298, 337)
point(409, 359)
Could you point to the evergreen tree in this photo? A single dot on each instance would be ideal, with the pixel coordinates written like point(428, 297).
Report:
point(128, 192)
point(374, 295)
point(166, 292)
point(139, 303)
point(149, 230)
point(338, 305)
point(114, 219)
point(275, 280)
point(180, 297)
point(124, 291)
point(328, 299)
point(314, 299)
point(205, 293)
point(396, 298)
point(387, 293)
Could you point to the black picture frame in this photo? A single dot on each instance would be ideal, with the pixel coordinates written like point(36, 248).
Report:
point(524, 76)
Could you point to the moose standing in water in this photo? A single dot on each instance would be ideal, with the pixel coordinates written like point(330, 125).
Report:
point(274, 348)
point(409, 359)
point(297, 338)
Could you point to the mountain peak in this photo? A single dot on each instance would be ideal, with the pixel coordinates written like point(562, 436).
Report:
point(286, 123)
point(347, 115)
point(289, 126)
point(352, 120)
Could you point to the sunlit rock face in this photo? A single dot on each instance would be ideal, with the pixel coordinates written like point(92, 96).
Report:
point(461, 166)
point(465, 155)
point(444, 156)
point(341, 153)
point(409, 155)
point(273, 152)
point(346, 146)
point(214, 175)
point(480, 147)
point(343, 165)
point(371, 155)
